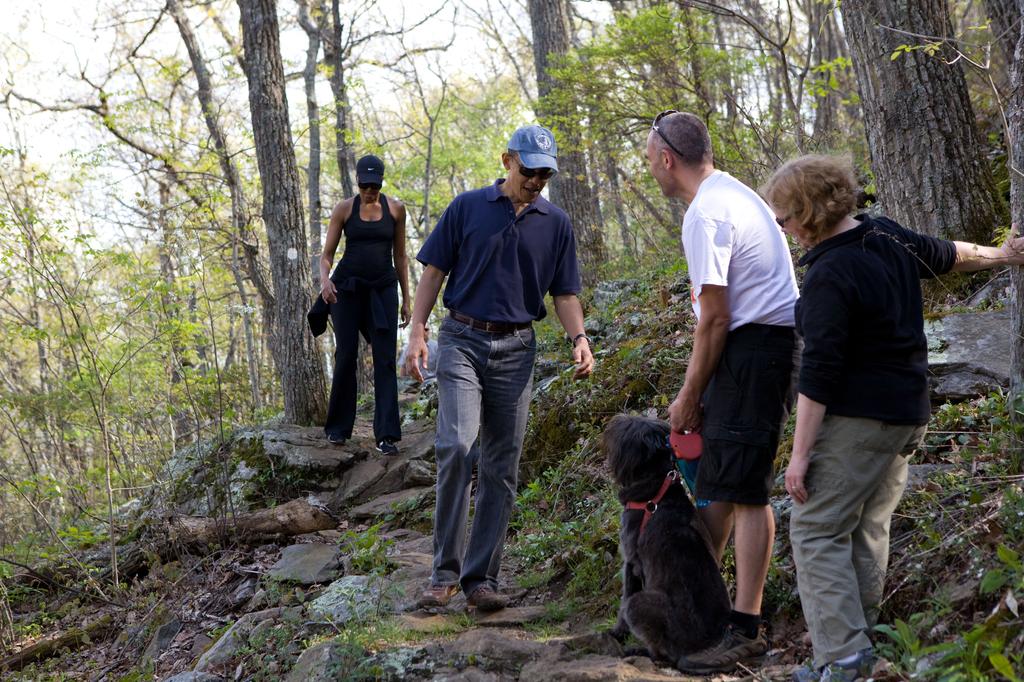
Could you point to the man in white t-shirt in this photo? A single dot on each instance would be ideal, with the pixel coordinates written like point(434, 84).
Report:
point(737, 388)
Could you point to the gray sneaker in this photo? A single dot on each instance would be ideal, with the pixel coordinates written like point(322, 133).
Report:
point(858, 669)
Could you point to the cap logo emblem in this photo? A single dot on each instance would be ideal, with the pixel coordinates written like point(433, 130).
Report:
point(543, 141)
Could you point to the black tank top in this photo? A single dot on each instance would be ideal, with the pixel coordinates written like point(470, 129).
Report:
point(368, 244)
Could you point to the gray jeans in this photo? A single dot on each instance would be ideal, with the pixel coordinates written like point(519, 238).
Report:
point(484, 382)
point(840, 535)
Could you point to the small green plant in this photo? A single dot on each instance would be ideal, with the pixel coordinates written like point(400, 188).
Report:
point(367, 550)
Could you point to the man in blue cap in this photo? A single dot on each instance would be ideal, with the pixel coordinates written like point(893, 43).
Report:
point(502, 249)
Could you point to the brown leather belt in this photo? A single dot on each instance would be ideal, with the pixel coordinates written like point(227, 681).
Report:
point(494, 327)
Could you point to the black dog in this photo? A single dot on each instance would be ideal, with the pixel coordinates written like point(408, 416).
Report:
point(673, 597)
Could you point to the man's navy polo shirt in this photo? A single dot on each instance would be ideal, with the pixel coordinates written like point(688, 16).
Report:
point(500, 265)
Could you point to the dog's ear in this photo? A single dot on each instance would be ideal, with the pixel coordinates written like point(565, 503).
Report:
point(655, 435)
point(612, 441)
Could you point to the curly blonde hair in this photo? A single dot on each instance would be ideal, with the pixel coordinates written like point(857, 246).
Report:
point(815, 190)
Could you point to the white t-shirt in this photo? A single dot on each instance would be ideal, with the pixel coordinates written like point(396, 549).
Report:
point(731, 239)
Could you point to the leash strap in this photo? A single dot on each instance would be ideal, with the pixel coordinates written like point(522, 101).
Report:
point(651, 505)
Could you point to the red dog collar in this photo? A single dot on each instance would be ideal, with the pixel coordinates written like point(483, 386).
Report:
point(651, 505)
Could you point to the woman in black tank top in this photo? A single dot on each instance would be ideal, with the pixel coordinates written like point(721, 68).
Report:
point(363, 297)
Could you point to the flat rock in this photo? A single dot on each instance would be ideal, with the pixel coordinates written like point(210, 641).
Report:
point(385, 504)
point(161, 640)
point(357, 480)
point(418, 439)
point(968, 354)
point(412, 559)
point(497, 645)
point(415, 544)
point(511, 616)
point(348, 598)
point(601, 643)
point(918, 474)
point(319, 663)
point(307, 564)
point(426, 623)
point(401, 473)
point(237, 636)
point(594, 669)
point(324, 458)
point(191, 676)
point(470, 675)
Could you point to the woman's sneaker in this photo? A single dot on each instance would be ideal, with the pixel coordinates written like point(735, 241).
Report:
point(856, 667)
point(387, 446)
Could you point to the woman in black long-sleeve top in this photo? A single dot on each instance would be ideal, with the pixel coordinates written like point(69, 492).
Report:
point(863, 396)
point(363, 297)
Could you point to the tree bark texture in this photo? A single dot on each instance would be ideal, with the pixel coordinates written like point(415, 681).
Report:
point(292, 518)
point(243, 232)
point(313, 116)
point(1006, 27)
point(295, 355)
point(334, 58)
point(925, 148)
point(1015, 158)
point(570, 189)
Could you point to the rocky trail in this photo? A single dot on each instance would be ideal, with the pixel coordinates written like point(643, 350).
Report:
point(336, 603)
point(273, 555)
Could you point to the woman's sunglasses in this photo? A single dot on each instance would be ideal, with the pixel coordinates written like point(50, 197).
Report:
point(368, 185)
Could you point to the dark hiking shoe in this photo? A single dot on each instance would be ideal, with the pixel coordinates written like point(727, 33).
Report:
point(387, 447)
point(436, 595)
point(336, 440)
point(485, 598)
point(860, 668)
point(733, 648)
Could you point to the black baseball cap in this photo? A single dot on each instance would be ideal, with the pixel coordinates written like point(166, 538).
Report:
point(370, 170)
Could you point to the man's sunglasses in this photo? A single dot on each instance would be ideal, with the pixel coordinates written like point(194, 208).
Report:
point(655, 128)
point(368, 185)
point(541, 173)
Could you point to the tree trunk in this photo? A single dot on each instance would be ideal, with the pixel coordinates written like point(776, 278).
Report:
point(1005, 16)
point(334, 58)
point(569, 189)
point(925, 148)
point(243, 233)
point(313, 116)
point(1015, 158)
point(292, 518)
point(295, 354)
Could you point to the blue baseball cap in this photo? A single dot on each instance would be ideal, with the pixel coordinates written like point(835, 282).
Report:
point(536, 147)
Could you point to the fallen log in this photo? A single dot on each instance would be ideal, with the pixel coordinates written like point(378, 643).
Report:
point(71, 639)
point(292, 518)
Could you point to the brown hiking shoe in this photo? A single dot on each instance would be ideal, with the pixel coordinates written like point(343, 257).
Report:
point(733, 648)
point(485, 598)
point(437, 595)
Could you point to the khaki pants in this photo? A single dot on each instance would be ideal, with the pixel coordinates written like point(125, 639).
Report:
point(840, 536)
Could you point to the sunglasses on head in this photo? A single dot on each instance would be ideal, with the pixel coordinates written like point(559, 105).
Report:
point(656, 128)
point(368, 185)
point(782, 221)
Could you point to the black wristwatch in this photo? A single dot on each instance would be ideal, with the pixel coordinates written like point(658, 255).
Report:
point(581, 335)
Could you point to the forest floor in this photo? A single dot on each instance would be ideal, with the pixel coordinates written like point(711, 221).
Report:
point(272, 555)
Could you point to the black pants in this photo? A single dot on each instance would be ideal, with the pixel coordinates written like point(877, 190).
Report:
point(746, 404)
point(352, 315)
